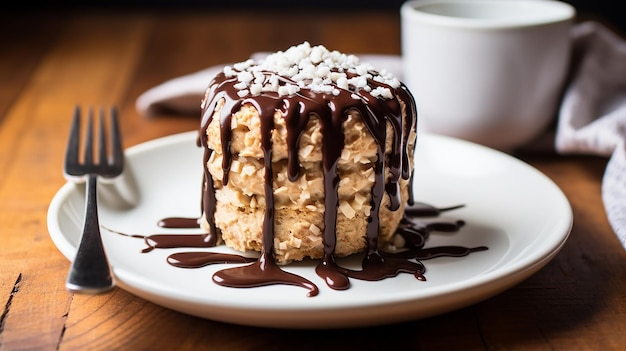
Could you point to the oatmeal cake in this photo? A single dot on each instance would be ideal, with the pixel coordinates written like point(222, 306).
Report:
point(308, 153)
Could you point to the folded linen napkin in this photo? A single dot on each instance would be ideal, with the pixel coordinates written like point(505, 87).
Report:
point(592, 117)
point(591, 120)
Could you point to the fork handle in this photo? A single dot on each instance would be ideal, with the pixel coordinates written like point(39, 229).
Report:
point(90, 271)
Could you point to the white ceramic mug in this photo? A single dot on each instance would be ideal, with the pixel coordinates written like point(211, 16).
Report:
point(488, 71)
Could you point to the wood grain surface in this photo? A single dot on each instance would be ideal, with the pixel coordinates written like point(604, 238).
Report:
point(49, 62)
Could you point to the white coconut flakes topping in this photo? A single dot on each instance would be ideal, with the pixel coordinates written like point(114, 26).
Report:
point(309, 67)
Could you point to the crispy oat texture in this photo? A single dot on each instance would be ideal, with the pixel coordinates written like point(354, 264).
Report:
point(299, 205)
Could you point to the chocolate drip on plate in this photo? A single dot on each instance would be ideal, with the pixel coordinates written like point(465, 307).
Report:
point(179, 222)
point(262, 272)
point(201, 259)
point(376, 265)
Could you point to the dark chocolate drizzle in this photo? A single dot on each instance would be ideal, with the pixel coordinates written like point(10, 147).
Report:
point(331, 110)
point(171, 241)
point(179, 222)
point(201, 259)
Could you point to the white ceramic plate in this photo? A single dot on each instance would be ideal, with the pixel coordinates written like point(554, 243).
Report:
point(512, 208)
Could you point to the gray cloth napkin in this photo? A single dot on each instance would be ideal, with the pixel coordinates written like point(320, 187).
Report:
point(591, 119)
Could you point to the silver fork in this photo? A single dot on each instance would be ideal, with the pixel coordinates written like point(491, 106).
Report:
point(90, 271)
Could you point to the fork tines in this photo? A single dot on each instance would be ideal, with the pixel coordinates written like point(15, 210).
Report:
point(107, 165)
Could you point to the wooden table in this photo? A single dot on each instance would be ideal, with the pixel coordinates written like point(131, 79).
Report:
point(50, 62)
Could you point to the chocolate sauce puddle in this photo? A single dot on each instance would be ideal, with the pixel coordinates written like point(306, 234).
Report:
point(262, 271)
point(379, 266)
